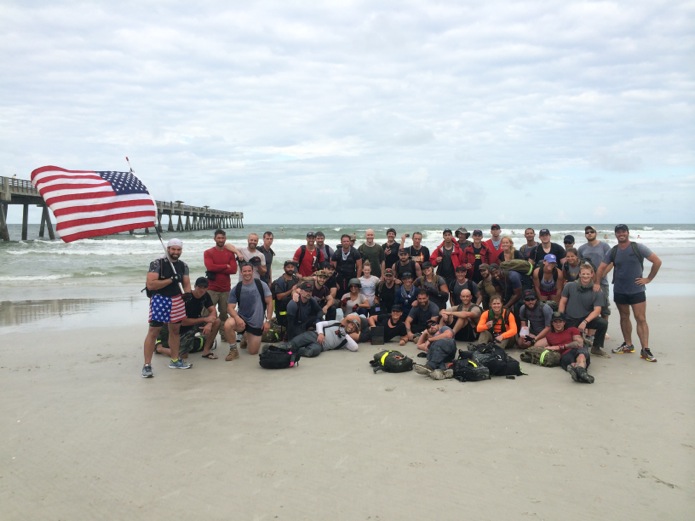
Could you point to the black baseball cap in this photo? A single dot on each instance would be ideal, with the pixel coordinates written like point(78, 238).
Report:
point(495, 227)
point(622, 228)
point(569, 239)
point(310, 234)
point(202, 282)
point(544, 231)
point(478, 233)
point(397, 307)
point(557, 315)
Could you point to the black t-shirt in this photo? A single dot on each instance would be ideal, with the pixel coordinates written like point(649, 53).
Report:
point(391, 332)
point(538, 253)
point(195, 307)
point(457, 288)
point(390, 253)
point(386, 295)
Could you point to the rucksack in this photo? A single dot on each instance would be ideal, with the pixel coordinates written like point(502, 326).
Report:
point(391, 362)
point(519, 265)
point(496, 360)
point(278, 357)
point(468, 370)
point(259, 287)
point(541, 356)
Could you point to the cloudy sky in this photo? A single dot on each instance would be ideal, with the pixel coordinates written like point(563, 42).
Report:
point(364, 111)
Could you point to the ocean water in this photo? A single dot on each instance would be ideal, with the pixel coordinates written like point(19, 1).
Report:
point(59, 283)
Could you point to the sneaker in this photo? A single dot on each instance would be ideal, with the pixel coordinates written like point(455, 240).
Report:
point(179, 364)
point(437, 374)
point(233, 354)
point(147, 371)
point(597, 351)
point(422, 369)
point(623, 349)
point(647, 355)
point(583, 376)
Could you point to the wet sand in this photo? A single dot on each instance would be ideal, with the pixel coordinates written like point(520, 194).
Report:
point(86, 437)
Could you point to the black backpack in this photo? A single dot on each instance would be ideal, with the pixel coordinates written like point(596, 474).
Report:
point(466, 369)
point(278, 357)
point(391, 362)
point(496, 360)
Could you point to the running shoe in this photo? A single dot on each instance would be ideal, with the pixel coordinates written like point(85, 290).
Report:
point(647, 355)
point(422, 369)
point(623, 349)
point(147, 371)
point(179, 364)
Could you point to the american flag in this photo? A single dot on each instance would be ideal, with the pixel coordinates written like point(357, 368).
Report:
point(89, 204)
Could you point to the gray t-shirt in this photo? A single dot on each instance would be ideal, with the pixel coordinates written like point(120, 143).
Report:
point(581, 301)
point(251, 306)
point(247, 255)
point(537, 318)
point(627, 268)
point(595, 255)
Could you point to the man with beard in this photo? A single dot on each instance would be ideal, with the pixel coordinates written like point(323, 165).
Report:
point(329, 335)
point(535, 317)
point(282, 289)
point(417, 251)
point(581, 306)
point(253, 255)
point(165, 279)
point(422, 311)
point(439, 344)
point(463, 319)
point(303, 311)
point(372, 252)
point(220, 262)
point(347, 263)
point(575, 358)
point(393, 324)
point(268, 253)
point(324, 294)
point(324, 248)
point(390, 248)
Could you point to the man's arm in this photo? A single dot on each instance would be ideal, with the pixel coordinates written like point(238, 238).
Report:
point(562, 305)
point(656, 264)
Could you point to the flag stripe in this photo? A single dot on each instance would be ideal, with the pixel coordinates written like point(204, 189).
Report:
point(89, 203)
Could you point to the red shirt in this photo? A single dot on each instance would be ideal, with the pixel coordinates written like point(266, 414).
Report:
point(217, 261)
point(309, 262)
point(562, 338)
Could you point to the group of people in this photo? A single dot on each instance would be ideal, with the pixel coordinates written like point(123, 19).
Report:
point(543, 294)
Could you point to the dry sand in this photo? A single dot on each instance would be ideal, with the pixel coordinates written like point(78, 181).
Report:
point(85, 437)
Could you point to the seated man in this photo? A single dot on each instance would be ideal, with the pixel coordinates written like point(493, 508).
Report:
point(282, 290)
point(508, 285)
point(422, 311)
point(386, 293)
point(439, 344)
point(463, 319)
point(575, 358)
point(329, 335)
point(324, 294)
point(582, 308)
point(303, 311)
point(406, 295)
point(195, 324)
point(535, 317)
point(250, 310)
point(393, 324)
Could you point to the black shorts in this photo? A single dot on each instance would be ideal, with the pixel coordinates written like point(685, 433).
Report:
point(154, 323)
point(571, 356)
point(255, 331)
point(633, 298)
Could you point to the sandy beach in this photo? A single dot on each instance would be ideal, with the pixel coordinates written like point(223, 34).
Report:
point(86, 437)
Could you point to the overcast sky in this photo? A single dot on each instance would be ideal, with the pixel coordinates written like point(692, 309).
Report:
point(364, 111)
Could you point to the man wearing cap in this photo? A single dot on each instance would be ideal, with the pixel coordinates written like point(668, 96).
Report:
point(462, 237)
point(386, 292)
point(475, 255)
point(303, 311)
point(545, 247)
point(447, 257)
point(535, 318)
point(374, 253)
point(393, 323)
point(324, 294)
point(494, 243)
point(347, 263)
point(329, 335)
point(423, 310)
point(629, 287)
point(463, 319)
point(282, 289)
point(220, 262)
point(568, 241)
point(439, 344)
point(406, 295)
point(405, 264)
point(594, 251)
point(581, 306)
point(390, 248)
point(574, 357)
point(250, 309)
point(167, 279)
point(196, 324)
point(308, 257)
point(486, 286)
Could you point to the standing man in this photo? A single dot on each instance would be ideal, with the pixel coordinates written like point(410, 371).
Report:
point(447, 257)
point(268, 253)
point(324, 248)
point(166, 304)
point(252, 252)
point(390, 248)
point(417, 251)
point(220, 263)
point(462, 237)
point(526, 249)
point(248, 301)
point(494, 243)
point(308, 258)
point(347, 263)
point(544, 248)
point(475, 255)
point(594, 251)
point(374, 253)
point(629, 288)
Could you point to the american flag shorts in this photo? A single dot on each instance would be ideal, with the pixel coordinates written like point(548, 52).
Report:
point(167, 309)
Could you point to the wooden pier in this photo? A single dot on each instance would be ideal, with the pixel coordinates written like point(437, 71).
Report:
point(181, 217)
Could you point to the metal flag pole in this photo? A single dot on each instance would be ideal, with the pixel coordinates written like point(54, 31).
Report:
point(161, 241)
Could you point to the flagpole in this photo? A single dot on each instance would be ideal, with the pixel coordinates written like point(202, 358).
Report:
point(161, 241)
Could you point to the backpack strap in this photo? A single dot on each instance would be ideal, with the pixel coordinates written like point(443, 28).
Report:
point(259, 287)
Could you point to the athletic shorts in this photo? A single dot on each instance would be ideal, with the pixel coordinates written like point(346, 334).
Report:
point(255, 331)
point(634, 298)
point(166, 310)
point(571, 356)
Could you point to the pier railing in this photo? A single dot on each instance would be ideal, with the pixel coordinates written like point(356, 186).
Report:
point(181, 217)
